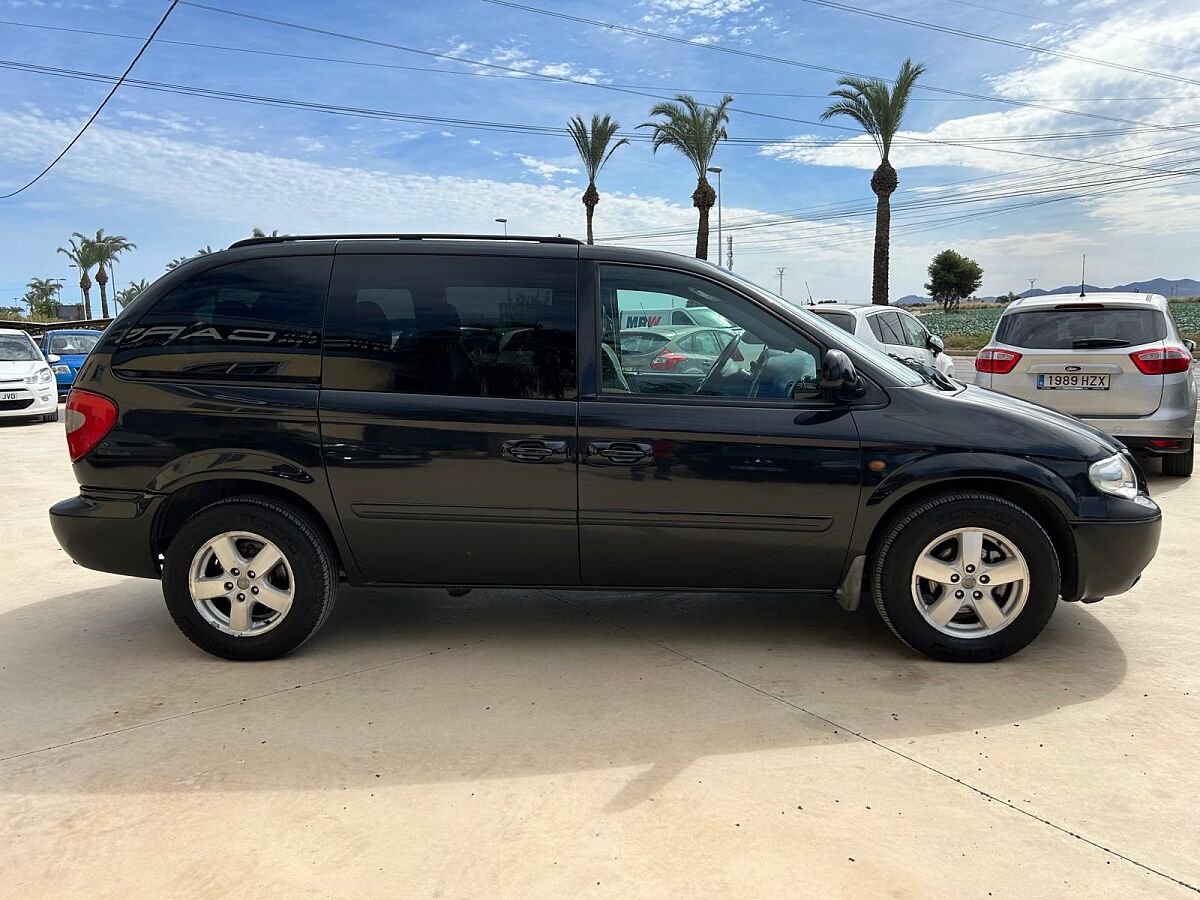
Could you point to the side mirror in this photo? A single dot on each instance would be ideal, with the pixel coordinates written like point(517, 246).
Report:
point(936, 344)
point(1191, 345)
point(53, 358)
point(839, 379)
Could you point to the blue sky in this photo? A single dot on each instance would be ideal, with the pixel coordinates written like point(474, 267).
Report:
point(175, 172)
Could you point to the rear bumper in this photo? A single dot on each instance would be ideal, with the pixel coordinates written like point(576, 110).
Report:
point(1111, 554)
point(110, 531)
point(1145, 445)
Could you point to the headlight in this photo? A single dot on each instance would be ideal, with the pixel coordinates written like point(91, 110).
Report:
point(41, 376)
point(61, 370)
point(1114, 476)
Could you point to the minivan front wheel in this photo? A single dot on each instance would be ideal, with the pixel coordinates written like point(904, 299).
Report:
point(249, 579)
point(966, 577)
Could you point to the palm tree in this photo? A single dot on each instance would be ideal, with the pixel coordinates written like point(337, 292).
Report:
point(594, 150)
point(694, 130)
point(105, 250)
point(40, 298)
point(127, 295)
point(180, 260)
point(81, 256)
point(257, 232)
point(879, 110)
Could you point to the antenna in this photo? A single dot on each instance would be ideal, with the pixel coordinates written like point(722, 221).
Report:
point(729, 255)
point(810, 299)
point(1031, 281)
point(1083, 278)
point(780, 272)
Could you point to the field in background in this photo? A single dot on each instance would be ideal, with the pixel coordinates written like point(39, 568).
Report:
point(971, 327)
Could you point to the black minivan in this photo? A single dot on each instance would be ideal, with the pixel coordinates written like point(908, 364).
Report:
point(441, 410)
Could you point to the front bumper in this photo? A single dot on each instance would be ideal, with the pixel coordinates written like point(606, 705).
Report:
point(1111, 554)
point(110, 531)
point(64, 381)
point(30, 400)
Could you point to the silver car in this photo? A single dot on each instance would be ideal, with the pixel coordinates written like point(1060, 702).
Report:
point(1114, 360)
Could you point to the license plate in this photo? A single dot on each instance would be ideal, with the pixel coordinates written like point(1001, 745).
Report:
point(4, 397)
point(1073, 382)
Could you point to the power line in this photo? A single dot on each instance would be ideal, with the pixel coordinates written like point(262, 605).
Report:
point(916, 23)
point(99, 109)
point(524, 76)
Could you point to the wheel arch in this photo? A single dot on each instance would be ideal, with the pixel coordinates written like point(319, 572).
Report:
point(186, 500)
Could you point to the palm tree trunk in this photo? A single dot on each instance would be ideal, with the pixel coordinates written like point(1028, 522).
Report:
point(883, 183)
point(703, 198)
point(85, 285)
point(102, 280)
point(590, 198)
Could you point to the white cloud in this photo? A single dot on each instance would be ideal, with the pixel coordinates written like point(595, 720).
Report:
point(706, 9)
point(545, 169)
point(309, 145)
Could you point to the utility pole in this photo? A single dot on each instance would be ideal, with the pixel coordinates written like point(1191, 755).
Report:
point(1031, 281)
point(716, 170)
point(729, 254)
point(780, 272)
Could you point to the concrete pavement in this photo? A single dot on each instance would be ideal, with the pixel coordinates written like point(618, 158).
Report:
point(528, 744)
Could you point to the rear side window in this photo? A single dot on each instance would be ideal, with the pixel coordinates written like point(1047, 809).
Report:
point(452, 325)
point(257, 320)
point(641, 341)
point(1068, 329)
point(844, 321)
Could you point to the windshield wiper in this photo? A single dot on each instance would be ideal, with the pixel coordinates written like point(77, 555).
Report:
point(931, 374)
point(1083, 343)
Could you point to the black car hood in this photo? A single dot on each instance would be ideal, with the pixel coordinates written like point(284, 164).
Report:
point(988, 420)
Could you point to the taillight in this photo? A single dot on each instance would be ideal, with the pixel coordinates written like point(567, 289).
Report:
point(1167, 361)
point(666, 362)
point(89, 418)
point(995, 361)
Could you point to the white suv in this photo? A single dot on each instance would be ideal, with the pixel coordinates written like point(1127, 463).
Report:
point(892, 330)
point(1114, 360)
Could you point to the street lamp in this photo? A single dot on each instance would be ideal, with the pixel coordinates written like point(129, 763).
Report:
point(716, 170)
point(504, 222)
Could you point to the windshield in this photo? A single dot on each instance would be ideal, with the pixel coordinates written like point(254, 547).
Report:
point(709, 317)
point(72, 344)
point(838, 338)
point(842, 320)
point(17, 348)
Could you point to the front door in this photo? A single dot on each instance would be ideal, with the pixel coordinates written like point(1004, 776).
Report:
point(448, 416)
point(742, 479)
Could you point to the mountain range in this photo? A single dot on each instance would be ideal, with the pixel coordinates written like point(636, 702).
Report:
point(1168, 287)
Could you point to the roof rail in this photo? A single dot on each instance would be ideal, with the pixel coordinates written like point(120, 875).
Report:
point(286, 238)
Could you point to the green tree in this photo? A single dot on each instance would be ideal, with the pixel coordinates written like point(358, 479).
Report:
point(81, 255)
point(953, 277)
point(257, 232)
point(879, 110)
point(105, 248)
point(694, 130)
point(595, 147)
point(12, 314)
point(39, 297)
point(180, 260)
point(127, 295)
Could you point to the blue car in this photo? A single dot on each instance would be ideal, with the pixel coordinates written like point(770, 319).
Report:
point(71, 346)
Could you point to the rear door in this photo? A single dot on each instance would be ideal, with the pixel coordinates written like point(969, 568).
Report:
point(451, 455)
point(1077, 357)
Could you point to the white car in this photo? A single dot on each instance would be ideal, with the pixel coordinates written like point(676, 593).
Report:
point(27, 386)
point(893, 330)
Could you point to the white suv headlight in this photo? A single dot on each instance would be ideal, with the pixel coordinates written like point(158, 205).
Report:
point(41, 376)
point(1114, 475)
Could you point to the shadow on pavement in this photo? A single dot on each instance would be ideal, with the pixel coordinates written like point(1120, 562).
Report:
point(417, 687)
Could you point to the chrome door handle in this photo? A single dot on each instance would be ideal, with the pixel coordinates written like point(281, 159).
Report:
point(619, 453)
point(529, 450)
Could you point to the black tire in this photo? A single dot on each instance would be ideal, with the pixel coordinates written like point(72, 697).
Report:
point(51, 417)
point(306, 549)
point(1179, 465)
point(892, 573)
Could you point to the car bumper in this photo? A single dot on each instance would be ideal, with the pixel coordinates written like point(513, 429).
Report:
point(1167, 422)
point(64, 380)
point(30, 401)
point(110, 531)
point(1111, 554)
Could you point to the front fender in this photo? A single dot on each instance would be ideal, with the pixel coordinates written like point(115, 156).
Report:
point(903, 477)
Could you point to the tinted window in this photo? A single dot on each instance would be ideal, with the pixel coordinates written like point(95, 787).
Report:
point(763, 358)
point(890, 329)
point(452, 325)
point(254, 320)
point(842, 320)
point(1066, 329)
point(679, 317)
point(914, 332)
point(641, 341)
point(876, 330)
point(72, 344)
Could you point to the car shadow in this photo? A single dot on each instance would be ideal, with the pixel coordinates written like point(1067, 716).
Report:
point(416, 687)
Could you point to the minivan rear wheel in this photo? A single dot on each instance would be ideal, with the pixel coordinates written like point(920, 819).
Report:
point(966, 577)
point(249, 579)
